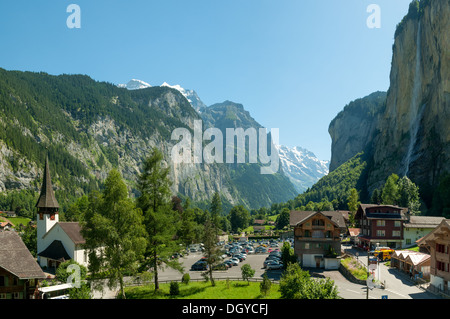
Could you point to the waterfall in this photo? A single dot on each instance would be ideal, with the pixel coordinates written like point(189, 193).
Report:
point(415, 113)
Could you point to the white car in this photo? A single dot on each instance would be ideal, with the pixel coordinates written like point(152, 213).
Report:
point(234, 261)
point(274, 265)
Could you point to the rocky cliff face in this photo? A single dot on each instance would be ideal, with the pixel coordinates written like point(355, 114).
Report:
point(414, 138)
point(88, 127)
point(410, 135)
point(354, 128)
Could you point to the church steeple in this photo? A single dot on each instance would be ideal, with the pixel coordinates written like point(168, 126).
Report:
point(47, 208)
point(47, 198)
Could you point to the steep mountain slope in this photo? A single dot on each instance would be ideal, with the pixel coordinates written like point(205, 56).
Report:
point(410, 134)
point(301, 166)
point(89, 127)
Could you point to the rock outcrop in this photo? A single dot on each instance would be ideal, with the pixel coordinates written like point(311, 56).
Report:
point(410, 134)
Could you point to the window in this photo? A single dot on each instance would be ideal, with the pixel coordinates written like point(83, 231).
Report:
point(395, 233)
point(307, 233)
point(2, 281)
point(441, 248)
point(441, 266)
point(397, 223)
point(317, 234)
point(2, 296)
point(381, 223)
point(318, 222)
point(306, 245)
point(380, 233)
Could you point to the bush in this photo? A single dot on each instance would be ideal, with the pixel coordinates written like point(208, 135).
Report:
point(174, 288)
point(185, 279)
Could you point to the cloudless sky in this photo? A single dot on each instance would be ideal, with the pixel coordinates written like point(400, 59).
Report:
point(293, 64)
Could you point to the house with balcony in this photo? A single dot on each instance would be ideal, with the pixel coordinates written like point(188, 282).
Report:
point(317, 238)
point(438, 244)
point(381, 225)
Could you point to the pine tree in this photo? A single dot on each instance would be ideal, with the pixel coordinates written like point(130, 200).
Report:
point(160, 220)
point(390, 193)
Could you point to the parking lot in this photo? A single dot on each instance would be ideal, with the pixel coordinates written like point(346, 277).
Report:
point(255, 260)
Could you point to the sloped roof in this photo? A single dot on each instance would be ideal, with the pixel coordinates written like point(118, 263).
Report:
point(297, 217)
point(16, 258)
point(399, 215)
point(423, 221)
point(47, 197)
point(354, 231)
point(55, 251)
point(73, 231)
point(417, 259)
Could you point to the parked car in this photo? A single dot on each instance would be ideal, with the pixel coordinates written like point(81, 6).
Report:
point(261, 250)
point(199, 265)
point(274, 265)
point(234, 261)
point(270, 260)
point(221, 266)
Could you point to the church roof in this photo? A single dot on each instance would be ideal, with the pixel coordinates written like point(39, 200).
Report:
point(16, 258)
point(55, 251)
point(73, 230)
point(47, 198)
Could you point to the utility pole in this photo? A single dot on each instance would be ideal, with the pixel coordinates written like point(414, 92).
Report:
point(368, 277)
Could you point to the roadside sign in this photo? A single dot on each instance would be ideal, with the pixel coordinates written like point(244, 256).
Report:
point(384, 297)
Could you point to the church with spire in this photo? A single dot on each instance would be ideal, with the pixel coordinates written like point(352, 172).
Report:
point(56, 241)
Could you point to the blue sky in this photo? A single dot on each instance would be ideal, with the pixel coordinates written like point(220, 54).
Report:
point(293, 64)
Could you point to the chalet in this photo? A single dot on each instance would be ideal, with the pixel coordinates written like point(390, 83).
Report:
point(56, 241)
point(19, 271)
point(438, 244)
point(381, 224)
point(317, 240)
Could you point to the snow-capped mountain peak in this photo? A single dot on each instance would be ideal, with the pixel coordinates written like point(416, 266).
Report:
point(135, 84)
point(301, 166)
point(190, 95)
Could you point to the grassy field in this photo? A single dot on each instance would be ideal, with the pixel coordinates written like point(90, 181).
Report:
point(17, 220)
point(204, 290)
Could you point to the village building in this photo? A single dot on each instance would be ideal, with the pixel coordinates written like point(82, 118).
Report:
point(56, 241)
point(413, 263)
point(417, 227)
point(437, 243)
point(317, 238)
point(19, 271)
point(381, 225)
point(6, 226)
